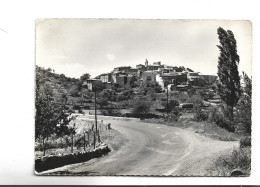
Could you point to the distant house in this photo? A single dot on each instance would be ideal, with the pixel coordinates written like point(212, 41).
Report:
point(106, 77)
point(124, 80)
point(210, 79)
point(152, 68)
point(123, 69)
point(140, 67)
point(191, 76)
point(149, 76)
point(90, 83)
point(171, 78)
point(157, 63)
point(116, 74)
point(166, 70)
point(133, 71)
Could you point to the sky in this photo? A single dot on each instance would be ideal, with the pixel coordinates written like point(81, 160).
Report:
point(78, 46)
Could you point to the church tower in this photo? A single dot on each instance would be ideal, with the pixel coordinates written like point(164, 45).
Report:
point(146, 63)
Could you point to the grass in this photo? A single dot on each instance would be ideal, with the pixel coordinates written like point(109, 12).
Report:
point(112, 138)
point(207, 129)
point(238, 159)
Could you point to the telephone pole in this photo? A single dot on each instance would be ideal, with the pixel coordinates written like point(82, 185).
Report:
point(96, 109)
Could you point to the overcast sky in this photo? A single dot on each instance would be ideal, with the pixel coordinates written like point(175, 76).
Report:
point(95, 46)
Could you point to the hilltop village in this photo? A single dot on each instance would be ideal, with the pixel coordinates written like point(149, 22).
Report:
point(173, 77)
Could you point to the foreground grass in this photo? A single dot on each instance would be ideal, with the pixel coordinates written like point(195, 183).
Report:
point(112, 138)
point(238, 159)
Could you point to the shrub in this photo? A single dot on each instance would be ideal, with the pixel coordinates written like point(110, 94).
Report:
point(141, 107)
point(80, 111)
point(195, 99)
point(175, 114)
point(86, 107)
point(214, 114)
point(200, 115)
point(76, 107)
point(225, 123)
point(221, 117)
point(191, 92)
point(111, 112)
point(71, 111)
point(245, 141)
point(238, 159)
point(171, 104)
point(88, 101)
point(102, 102)
point(121, 98)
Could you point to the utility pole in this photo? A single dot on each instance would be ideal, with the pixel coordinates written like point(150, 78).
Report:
point(167, 106)
point(96, 109)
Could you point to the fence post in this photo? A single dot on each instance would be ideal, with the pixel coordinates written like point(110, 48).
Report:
point(84, 141)
point(94, 139)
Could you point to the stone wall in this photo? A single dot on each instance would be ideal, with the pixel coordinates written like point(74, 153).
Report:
point(51, 162)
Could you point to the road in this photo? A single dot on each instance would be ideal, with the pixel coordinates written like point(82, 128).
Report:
point(153, 149)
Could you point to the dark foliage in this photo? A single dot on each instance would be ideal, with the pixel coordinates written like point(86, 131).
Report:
point(228, 60)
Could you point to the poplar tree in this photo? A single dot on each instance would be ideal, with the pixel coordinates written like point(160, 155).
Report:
point(228, 60)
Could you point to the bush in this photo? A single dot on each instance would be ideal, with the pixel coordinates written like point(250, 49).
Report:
point(71, 111)
point(76, 107)
point(221, 117)
point(175, 114)
point(120, 98)
point(171, 104)
point(141, 107)
point(88, 101)
point(214, 114)
point(111, 112)
point(245, 142)
point(238, 159)
point(102, 102)
point(80, 111)
point(195, 99)
point(86, 107)
point(200, 115)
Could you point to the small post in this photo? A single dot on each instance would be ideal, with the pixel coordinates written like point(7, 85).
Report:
point(71, 143)
point(94, 139)
point(98, 135)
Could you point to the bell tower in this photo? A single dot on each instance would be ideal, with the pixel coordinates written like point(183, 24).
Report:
point(146, 62)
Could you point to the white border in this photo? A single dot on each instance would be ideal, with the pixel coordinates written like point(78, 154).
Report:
point(17, 48)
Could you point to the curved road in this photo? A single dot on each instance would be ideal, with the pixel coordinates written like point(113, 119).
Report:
point(153, 150)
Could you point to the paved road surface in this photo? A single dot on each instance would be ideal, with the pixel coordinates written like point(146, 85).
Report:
point(154, 150)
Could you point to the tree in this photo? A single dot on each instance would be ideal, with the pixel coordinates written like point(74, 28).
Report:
point(64, 98)
point(141, 107)
point(84, 77)
point(244, 111)
point(49, 118)
point(228, 60)
point(102, 102)
point(45, 119)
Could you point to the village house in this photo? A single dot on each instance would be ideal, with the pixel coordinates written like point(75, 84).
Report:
point(123, 69)
point(171, 78)
point(106, 77)
point(210, 79)
point(140, 67)
point(192, 76)
point(123, 80)
point(149, 76)
point(90, 83)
